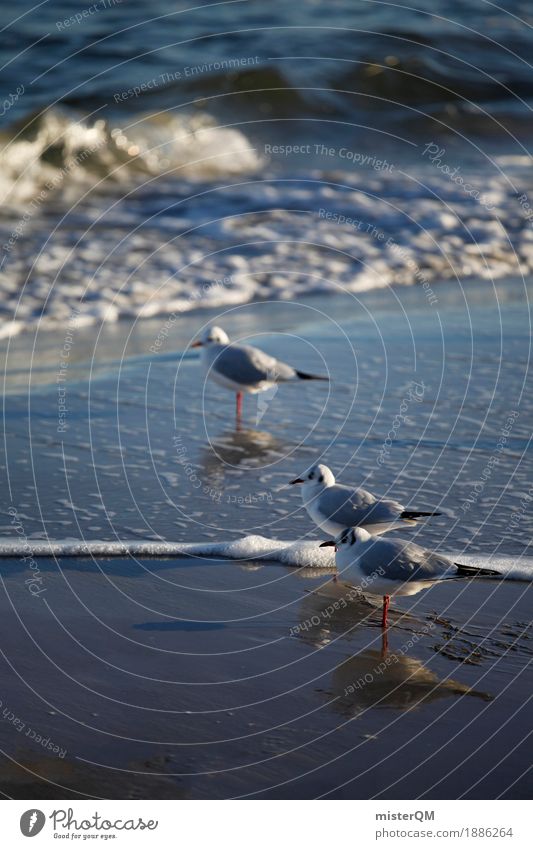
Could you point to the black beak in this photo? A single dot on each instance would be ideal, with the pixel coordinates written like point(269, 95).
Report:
point(296, 480)
point(327, 543)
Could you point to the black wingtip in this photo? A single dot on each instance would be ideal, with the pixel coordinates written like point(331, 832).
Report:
point(304, 376)
point(416, 514)
point(473, 571)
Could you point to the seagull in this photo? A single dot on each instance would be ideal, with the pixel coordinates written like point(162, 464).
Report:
point(334, 507)
point(243, 368)
point(386, 567)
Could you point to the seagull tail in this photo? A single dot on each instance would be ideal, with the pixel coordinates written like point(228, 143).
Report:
point(474, 571)
point(304, 376)
point(416, 514)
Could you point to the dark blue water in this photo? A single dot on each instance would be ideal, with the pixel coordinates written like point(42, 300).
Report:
point(392, 58)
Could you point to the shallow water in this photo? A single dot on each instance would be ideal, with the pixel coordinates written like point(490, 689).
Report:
point(214, 678)
point(148, 450)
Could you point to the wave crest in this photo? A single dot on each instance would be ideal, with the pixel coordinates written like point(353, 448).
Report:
point(53, 149)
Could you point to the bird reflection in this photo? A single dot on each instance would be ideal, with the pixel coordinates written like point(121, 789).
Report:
point(374, 677)
point(246, 448)
point(395, 681)
point(337, 608)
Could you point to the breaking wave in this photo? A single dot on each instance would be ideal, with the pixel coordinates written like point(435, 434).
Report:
point(54, 150)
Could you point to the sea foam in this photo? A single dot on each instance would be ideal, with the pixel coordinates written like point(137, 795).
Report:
point(295, 553)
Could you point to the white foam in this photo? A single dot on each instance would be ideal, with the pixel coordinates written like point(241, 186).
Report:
point(190, 144)
point(510, 568)
point(328, 231)
point(307, 554)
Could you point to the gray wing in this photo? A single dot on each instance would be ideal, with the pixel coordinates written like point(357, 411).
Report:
point(249, 366)
point(352, 507)
point(403, 561)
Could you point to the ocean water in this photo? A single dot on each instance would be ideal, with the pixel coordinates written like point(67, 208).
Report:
point(165, 160)
point(129, 441)
point(346, 184)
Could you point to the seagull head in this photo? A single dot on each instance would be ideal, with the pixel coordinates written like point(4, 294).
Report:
point(316, 478)
point(347, 538)
point(211, 335)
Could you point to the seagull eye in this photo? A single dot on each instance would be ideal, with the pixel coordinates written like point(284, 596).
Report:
point(321, 479)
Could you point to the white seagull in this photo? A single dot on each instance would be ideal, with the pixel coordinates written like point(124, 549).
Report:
point(386, 567)
point(334, 507)
point(243, 368)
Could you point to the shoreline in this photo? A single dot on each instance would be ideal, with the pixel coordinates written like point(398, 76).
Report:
point(202, 677)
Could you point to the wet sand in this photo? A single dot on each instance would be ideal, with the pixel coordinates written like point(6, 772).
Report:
point(212, 679)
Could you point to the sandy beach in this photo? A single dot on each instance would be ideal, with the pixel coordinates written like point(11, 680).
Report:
point(206, 677)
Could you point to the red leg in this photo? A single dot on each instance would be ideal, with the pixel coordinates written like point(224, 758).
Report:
point(239, 404)
point(386, 602)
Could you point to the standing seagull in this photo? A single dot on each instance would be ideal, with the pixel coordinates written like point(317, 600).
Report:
point(386, 567)
point(334, 507)
point(243, 368)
